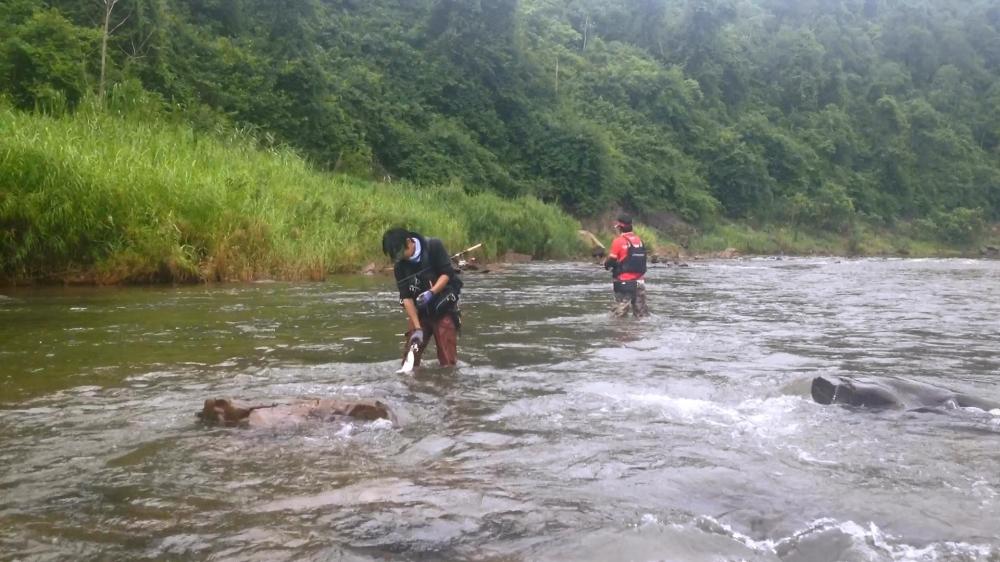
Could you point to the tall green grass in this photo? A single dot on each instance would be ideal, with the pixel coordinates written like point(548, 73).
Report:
point(96, 198)
point(862, 240)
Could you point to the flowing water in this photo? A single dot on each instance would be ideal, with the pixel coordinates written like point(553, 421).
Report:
point(563, 434)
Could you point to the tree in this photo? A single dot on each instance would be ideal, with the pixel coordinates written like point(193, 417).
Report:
point(44, 61)
point(106, 30)
point(686, 107)
point(739, 177)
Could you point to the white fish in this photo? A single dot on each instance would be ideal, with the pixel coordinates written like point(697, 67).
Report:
point(411, 358)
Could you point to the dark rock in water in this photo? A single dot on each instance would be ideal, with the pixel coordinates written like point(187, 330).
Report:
point(471, 265)
point(845, 391)
point(230, 412)
point(875, 392)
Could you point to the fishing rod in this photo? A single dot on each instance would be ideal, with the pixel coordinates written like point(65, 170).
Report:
point(467, 250)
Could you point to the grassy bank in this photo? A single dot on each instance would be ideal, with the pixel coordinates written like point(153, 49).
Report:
point(903, 240)
point(93, 198)
point(910, 239)
point(96, 198)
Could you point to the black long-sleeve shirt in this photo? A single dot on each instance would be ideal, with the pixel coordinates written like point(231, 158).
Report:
point(413, 278)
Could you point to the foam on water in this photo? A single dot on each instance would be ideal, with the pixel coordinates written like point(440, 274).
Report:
point(564, 435)
point(829, 539)
point(764, 417)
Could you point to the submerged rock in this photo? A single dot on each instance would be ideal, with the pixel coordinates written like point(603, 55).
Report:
point(891, 392)
point(231, 412)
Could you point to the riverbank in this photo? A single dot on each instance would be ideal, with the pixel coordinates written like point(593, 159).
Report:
point(864, 241)
point(679, 241)
point(97, 199)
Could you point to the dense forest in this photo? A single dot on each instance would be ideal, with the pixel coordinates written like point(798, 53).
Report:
point(814, 114)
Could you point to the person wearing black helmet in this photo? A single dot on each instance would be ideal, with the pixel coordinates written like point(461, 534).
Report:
point(429, 287)
point(627, 262)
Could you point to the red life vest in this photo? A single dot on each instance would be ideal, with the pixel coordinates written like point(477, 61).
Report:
point(631, 256)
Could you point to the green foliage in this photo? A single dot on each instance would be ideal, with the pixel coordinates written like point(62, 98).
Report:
point(43, 61)
point(958, 226)
point(829, 208)
point(823, 114)
point(739, 176)
point(723, 236)
point(106, 199)
point(523, 225)
point(573, 157)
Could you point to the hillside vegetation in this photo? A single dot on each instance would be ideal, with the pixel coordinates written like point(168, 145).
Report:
point(97, 198)
point(854, 125)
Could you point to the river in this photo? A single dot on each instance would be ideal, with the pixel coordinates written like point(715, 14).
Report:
point(564, 434)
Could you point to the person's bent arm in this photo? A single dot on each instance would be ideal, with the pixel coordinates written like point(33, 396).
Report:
point(616, 254)
point(440, 284)
point(411, 314)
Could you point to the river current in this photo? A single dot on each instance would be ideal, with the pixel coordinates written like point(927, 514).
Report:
point(564, 434)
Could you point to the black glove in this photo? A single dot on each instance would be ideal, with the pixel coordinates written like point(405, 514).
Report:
point(610, 263)
point(417, 337)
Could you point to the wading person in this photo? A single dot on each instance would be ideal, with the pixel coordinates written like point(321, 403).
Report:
point(429, 287)
point(627, 262)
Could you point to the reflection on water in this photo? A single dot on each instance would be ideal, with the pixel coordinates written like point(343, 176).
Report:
point(563, 435)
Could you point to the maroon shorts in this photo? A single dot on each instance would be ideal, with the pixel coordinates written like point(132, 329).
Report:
point(445, 334)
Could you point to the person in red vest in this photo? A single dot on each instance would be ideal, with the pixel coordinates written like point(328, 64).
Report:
point(627, 262)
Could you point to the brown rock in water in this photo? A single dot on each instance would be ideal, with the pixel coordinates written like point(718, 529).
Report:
point(471, 265)
point(229, 412)
point(224, 411)
point(369, 411)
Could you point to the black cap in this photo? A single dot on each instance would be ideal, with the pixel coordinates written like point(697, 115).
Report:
point(624, 219)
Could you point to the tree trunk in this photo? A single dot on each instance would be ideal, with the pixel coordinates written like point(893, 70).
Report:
point(109, 6)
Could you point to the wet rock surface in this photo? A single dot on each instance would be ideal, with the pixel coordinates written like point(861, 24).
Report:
point(230, 412)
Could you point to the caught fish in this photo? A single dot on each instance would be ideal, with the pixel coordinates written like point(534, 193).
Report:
point(410, 360)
